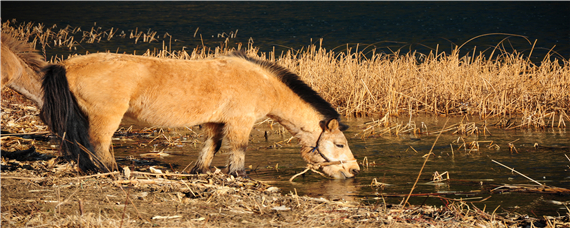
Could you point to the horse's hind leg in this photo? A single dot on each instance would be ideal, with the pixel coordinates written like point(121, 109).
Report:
point(237, 134)
point(214, 134)
point(102, 126)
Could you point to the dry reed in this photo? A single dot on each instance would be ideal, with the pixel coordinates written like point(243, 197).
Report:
point(447, 85)
point(506, 86)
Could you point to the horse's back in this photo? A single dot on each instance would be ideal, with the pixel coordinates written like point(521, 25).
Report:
point(171, 92)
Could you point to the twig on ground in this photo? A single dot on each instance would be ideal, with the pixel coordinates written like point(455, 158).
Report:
point(309, 167)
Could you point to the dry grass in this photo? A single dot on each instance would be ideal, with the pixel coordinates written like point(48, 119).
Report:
point(42, 37)
point(19, 115)
point(438, 83)
point(365, 83)
point(443, 84)
point(46, 193)
point(393, 85)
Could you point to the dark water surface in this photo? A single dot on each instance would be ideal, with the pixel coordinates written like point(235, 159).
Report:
point(392, 161)
point(388, 26)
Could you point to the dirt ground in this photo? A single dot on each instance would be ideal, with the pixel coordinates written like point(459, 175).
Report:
point(40, 190)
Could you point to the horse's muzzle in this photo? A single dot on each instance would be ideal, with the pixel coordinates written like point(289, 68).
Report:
point(342, 171)
point(354, 171)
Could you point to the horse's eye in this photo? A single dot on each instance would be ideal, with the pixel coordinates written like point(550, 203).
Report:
point(339, 145)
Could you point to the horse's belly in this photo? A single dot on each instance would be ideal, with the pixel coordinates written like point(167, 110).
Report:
point(173, 116)
point(130, 120)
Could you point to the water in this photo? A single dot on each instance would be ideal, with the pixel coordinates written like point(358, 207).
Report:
point(392, 161)
point(387, 26)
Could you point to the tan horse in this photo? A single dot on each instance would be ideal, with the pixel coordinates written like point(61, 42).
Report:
point(21, 65)
point(92, 93)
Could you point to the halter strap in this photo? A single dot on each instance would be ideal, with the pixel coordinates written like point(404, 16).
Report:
point(327, 161)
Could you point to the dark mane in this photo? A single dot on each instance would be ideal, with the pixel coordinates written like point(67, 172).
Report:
point(24, 50)
point(296, 85)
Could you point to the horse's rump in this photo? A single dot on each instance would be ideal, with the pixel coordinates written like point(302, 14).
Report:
point(64, 117)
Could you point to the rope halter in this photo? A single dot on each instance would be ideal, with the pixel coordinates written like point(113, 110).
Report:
point(314, 166)
point(327, 161)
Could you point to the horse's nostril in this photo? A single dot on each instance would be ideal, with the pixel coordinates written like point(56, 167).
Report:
point(354, 171)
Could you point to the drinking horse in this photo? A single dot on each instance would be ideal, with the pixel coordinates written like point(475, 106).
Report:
point(21, 65)
point(86, 98)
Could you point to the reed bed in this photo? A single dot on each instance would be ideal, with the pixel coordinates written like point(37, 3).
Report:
point(502, 85)
point(438, 83)
point(69, 37)
point(508, 88)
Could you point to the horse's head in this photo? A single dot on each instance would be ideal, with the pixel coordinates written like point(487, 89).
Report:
point(332, 153)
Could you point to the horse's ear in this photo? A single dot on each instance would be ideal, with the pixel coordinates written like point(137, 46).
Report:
point(323, 124)
point(332, 124)
point(343, 127)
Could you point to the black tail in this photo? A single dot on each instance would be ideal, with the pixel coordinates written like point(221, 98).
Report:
point(64, 117)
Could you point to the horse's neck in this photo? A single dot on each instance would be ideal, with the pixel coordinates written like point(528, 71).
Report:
point(300, 119)
point(20, 68)
point(28, 83)
point(307, 135)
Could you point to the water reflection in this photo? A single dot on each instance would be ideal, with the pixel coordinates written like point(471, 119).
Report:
point(331, 189)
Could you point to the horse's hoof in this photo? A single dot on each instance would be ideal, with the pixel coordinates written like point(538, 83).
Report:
point(240, 173)
point(196, 170)
point(246, 177)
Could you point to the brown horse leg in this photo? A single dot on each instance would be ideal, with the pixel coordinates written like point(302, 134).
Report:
point(101, 129)
point(214, 132)
point(238, 137)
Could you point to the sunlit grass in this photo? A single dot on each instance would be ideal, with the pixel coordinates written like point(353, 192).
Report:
point(496, 84)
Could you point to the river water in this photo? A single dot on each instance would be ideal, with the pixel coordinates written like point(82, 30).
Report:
point(396, 161)
point(387, 26)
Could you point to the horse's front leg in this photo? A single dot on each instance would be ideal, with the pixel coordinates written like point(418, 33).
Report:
point(214, 134)
point(237, 134)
